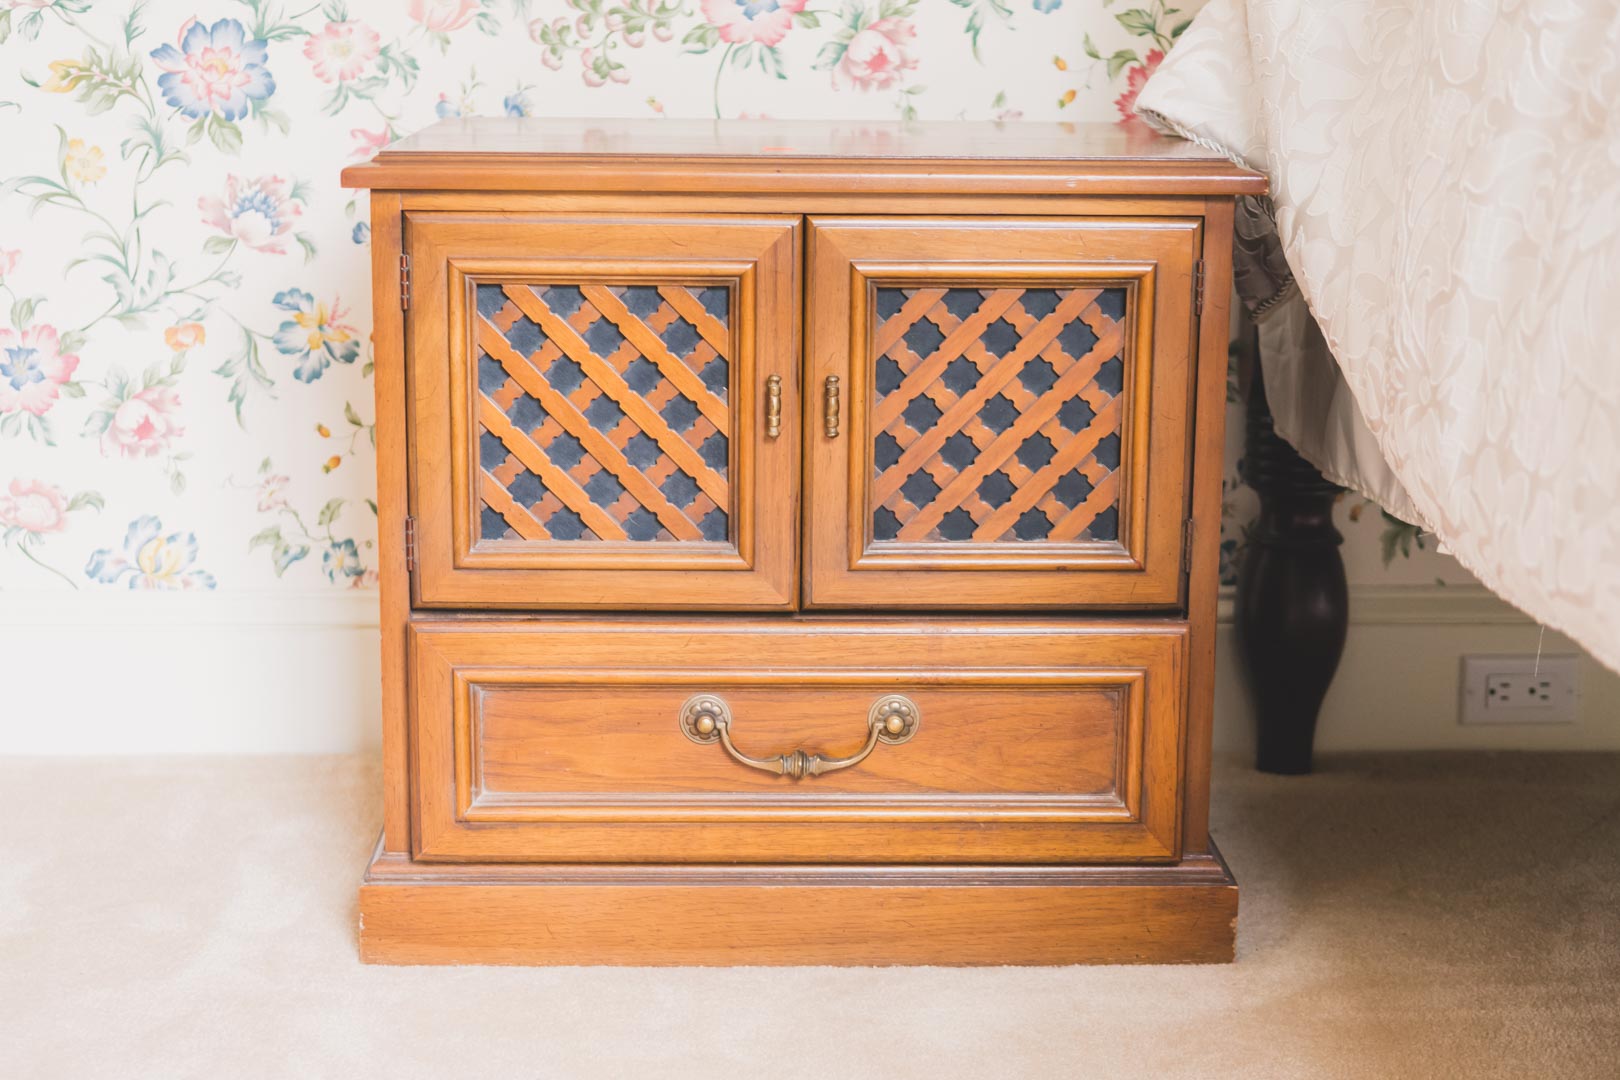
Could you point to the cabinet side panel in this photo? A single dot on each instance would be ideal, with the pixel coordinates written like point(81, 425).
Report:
point(1207, 465)
point(388, 339)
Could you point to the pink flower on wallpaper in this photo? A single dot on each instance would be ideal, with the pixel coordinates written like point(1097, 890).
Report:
point(342, 51)
point(257, 213)
point(143, 425)
point(876, 58)
point(33, 369)
point(367, 143)
point(8, 261)
point(443, 16)
point(272, 493)
point(34, 507)
point(1135, 79)
point(743, 21)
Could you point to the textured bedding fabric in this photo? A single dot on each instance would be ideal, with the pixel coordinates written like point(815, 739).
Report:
point(1445, 193)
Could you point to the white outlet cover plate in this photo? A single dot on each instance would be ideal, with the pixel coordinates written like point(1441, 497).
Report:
point(1560, 672)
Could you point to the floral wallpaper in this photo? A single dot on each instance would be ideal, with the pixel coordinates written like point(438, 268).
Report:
point(185, 397)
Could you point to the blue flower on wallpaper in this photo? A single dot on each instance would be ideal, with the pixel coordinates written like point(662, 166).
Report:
point(361, 233)
point(342, 561)
point(517, 103)
point(314, 335)
point(445, 109)
point(216, 71)
point(1046, 7)
point(150, 560)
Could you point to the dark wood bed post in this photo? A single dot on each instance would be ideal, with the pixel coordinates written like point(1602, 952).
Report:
point(1293, 607)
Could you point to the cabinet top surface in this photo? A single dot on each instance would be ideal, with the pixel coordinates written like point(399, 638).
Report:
point(511, 153)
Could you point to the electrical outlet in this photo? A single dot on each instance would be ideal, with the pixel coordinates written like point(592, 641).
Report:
point(1517, 690)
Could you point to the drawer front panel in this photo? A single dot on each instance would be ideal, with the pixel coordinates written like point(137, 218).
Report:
point(1003, 411)
point(598, 411)
point(877, 741)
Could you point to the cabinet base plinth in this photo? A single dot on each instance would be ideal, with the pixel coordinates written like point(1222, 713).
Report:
point(416, 913)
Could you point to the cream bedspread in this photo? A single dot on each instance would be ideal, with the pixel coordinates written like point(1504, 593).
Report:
point(1446, 190)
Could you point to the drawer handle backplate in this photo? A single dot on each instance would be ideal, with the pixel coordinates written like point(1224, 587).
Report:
point(893, 719)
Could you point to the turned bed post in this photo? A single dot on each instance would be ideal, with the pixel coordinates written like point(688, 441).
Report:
point(1292, 606)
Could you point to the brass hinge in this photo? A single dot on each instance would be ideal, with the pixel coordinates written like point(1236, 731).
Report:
point(404, 281)
point(1186, 546)
point(1198, 288)
point(410, 545)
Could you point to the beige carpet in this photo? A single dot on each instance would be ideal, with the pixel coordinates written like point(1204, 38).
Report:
point(1427, 916)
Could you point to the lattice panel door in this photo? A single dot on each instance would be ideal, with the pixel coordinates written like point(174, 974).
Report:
point(997, 414)
point(604, 412)
point(1014, 400)
point(589, 412)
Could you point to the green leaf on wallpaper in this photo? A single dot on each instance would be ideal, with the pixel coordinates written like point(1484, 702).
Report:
point(97, 422)
point(5, 25)
point(975, 25)
point(39, 427)
point(12, 423)
point(1090, 47)
point(30, 25)
point(269, 118)
point(71, 341)
point(373, 504)
point(132, 22)
point(1139, 22)
point(225, 135)
point(829, 56)
point(700, 39)
point(1175, 31)
point(351, 416)
point(853, 15)
point(1120, 60)
point(195, 131)
point(22, 311)
point(770, 61)
point(91, 499)
point(72, 389)
point(218, 245)
point(177, 482)
point(329, 513)
point(268, 535)
point(307, 245)
point(808, 19)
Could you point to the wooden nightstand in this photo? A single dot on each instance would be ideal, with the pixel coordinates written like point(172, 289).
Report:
point(799, 543)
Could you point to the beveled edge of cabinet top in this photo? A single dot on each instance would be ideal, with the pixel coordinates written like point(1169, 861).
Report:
point(785, 156)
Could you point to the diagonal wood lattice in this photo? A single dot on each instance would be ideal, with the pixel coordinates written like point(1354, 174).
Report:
point(603, 412)
point(997, 414)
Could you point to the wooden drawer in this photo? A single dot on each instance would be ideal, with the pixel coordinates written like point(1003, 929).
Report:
point(583, 740)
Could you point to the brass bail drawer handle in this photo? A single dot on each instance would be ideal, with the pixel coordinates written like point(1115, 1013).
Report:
point(773, 406)
point(893, 719)
point(830, 406)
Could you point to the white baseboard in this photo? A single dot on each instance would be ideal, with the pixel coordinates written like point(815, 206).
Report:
point(127, 672)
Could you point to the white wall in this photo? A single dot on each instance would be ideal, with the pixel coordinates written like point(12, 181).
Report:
point(297, 672)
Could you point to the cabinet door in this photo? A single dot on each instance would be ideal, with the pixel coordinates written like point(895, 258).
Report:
point(997, 411)
point(603, 411)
